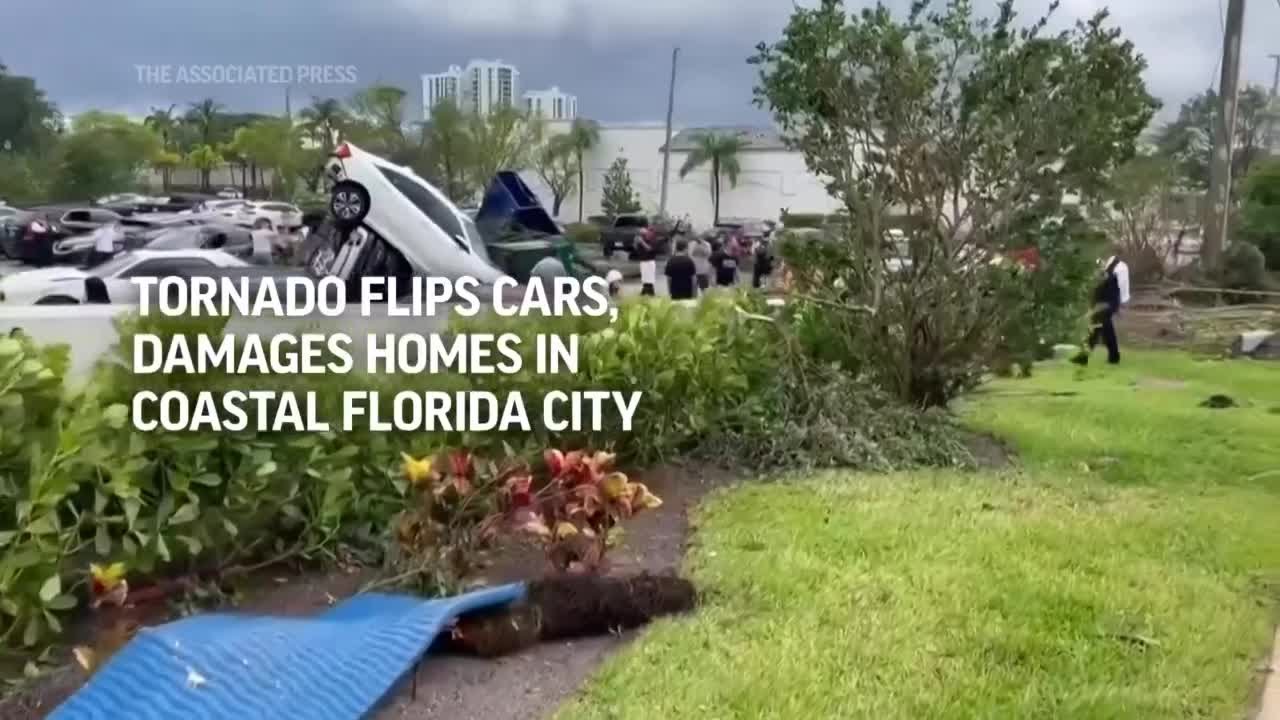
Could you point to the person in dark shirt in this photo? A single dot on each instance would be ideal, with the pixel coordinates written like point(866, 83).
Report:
point(682, 273)
point(726, 266)
point(764, 264)
point(1111, 294)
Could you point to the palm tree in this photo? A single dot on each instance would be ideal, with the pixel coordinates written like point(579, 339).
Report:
point(204, 158)
point(204, 117)
point(582, 136)
point(722, 152)
point(324, 120)
point(163, 123)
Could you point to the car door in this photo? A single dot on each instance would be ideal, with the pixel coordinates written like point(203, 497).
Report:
point(122, 289)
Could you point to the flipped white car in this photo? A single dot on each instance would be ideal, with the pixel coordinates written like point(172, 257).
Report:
point(372, 198)
point(277, 216)
point(68, 286)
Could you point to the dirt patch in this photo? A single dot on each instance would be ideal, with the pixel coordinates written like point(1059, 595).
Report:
point(529, 684)
point(989, 452)
point(533, 683)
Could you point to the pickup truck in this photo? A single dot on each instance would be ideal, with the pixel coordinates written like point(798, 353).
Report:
point(621, 233)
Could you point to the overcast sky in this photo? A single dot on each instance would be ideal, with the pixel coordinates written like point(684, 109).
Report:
point(614, 54)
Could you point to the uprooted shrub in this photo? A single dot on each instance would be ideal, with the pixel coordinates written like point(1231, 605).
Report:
point(975, 129)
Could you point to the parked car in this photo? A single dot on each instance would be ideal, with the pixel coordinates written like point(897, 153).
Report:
point(401, 217)
point(122, 199)
point(39, 229)
point(232, 239)
point(138, 231)
point(622, 231)
point(230, 193)
point(228, 209)
point(68, 286)
point(277, 216)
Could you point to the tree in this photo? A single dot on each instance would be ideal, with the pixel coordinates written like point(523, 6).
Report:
point(555, 165)
point(163, 123)
point(377, 119)
point(205, 159)
point(1260, 211)
point(618, 197)
point(975, 130)
point(273, 144)
point(505, 139)
point(721, 151)
point(1140, 210)
point(103, 153)
point(28, 121)
point(583, 135)
point(449, 151)
point(323, 121)
point(203, 117)
point(1189, 138)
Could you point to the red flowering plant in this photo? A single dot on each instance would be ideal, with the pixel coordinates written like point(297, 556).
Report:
point(575, 507)
point(451, 498)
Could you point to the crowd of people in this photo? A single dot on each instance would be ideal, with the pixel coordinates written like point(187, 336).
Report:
point(699, 263)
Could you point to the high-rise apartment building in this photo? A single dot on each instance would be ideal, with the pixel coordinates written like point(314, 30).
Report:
point(441, 87)
point(552, 104)
point(488, 85)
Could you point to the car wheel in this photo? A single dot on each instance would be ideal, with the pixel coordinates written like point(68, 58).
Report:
point(348, 203)
point(57, 300)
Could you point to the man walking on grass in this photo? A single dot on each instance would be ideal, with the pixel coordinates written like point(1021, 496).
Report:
point(1111, 294)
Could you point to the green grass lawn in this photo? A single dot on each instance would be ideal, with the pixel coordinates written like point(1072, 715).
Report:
point(1129, 569)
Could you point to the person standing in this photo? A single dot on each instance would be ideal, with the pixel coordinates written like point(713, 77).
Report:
point(726, 266)
point(104, 243)
point(681, 273)
point(264, 242)
point(700, 252)
point(763, 267)
point(643, 250)
point(1111, 294)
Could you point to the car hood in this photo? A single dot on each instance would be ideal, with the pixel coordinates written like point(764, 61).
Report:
point(41, 277)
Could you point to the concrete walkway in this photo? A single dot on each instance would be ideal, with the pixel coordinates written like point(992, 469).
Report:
point(1270, 707)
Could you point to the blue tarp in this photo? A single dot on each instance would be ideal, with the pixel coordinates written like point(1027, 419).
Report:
point(336, 666)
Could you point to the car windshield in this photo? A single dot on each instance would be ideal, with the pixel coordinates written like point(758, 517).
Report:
point(112, 267)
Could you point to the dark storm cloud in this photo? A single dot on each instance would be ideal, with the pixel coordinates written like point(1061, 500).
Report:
point(613, 54)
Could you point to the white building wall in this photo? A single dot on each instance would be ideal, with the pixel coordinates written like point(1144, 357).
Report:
point(770, 180)
point(552, 104)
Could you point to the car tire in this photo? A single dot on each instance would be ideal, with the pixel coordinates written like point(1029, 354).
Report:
point(57, 300)
point(348, 204)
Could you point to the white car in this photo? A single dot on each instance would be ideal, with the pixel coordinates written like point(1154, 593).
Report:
point(67, 286)
point(408, 213)
point(230, 193)
point(277, 216)
point(229, 209)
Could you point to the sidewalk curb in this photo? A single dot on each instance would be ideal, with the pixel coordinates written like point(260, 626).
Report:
point(1269, 708)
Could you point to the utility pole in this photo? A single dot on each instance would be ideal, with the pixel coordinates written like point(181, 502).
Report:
point(666, 149)
point(1215, 236)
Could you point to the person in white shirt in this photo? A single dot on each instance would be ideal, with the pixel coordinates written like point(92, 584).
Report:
point(264, 240)
point(104, 243)
point(1111, 294)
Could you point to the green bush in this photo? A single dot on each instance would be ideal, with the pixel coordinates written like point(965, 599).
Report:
point(585, 233)
point(725, 380)
point(1244, 268)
